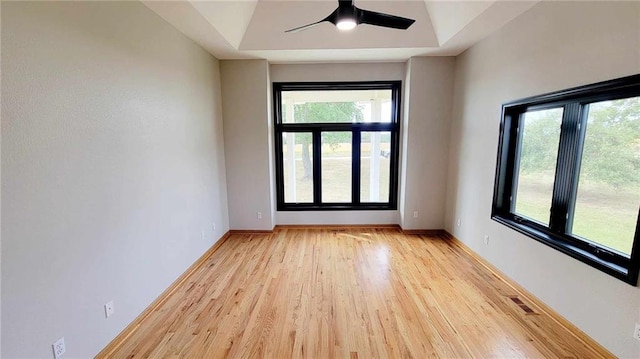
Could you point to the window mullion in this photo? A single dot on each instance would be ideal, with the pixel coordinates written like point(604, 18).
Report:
point(582, 129)
point(515, 149)
point(355, 166)
point(317, 167)
point(566, 169)
point(393, 183)
point(279, 165)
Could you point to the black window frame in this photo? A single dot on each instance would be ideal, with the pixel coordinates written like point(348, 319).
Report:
point(573, 128)
point(356, 129)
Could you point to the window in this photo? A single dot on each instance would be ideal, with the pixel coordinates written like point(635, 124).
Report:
point(568, 173)
point(337, 145)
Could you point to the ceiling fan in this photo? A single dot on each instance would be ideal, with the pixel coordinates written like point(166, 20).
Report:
point(347, 16)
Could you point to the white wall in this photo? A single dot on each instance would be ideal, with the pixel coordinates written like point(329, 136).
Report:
point(247, 143)
point(553, 46)
point(112, 166)
point(337, 72)
point(425, 154)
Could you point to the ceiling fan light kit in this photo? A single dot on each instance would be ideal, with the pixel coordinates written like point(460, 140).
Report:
point(347, 16)
point(346, 24)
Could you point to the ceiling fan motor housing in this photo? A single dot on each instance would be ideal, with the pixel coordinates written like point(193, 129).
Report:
point(347, 13)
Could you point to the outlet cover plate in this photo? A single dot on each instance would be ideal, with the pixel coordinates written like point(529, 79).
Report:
point(59, 348)
point(109, 309)
point(636, 333)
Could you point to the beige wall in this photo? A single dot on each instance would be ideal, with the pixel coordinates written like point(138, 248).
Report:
point(553, 46)
point(112, 164)
point(0, 183)
point(425, 152)
point(247, 143)
point(375, 71)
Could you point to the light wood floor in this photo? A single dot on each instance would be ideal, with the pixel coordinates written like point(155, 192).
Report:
point(352, 293)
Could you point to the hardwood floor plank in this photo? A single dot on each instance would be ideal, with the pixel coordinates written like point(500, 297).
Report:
point(349, 293)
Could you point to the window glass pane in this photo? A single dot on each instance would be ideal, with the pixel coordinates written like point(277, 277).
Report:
point(297, 163)
point(346, 106)
point(375, 166)
point(608, 195)
point(336, 167)
point(539, 142)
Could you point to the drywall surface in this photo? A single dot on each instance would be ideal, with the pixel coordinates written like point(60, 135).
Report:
point(404, 127)
point(246, 141)
point(271, 150)
point(0, 183)
point(425, 155)
point(553, 46)
point(392, 71)
point(113, 169)
point(375, 71)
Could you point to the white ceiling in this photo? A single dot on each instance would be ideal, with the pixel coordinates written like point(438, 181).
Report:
point(246, 29)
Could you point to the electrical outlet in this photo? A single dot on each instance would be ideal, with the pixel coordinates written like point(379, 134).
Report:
point(203, 235)
point(59, 348)
point(486, 239)
point(109, 309)
point(458, 223)
point(636, 333)
point(415, 214)
point(214, 226)
point(259, 215)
